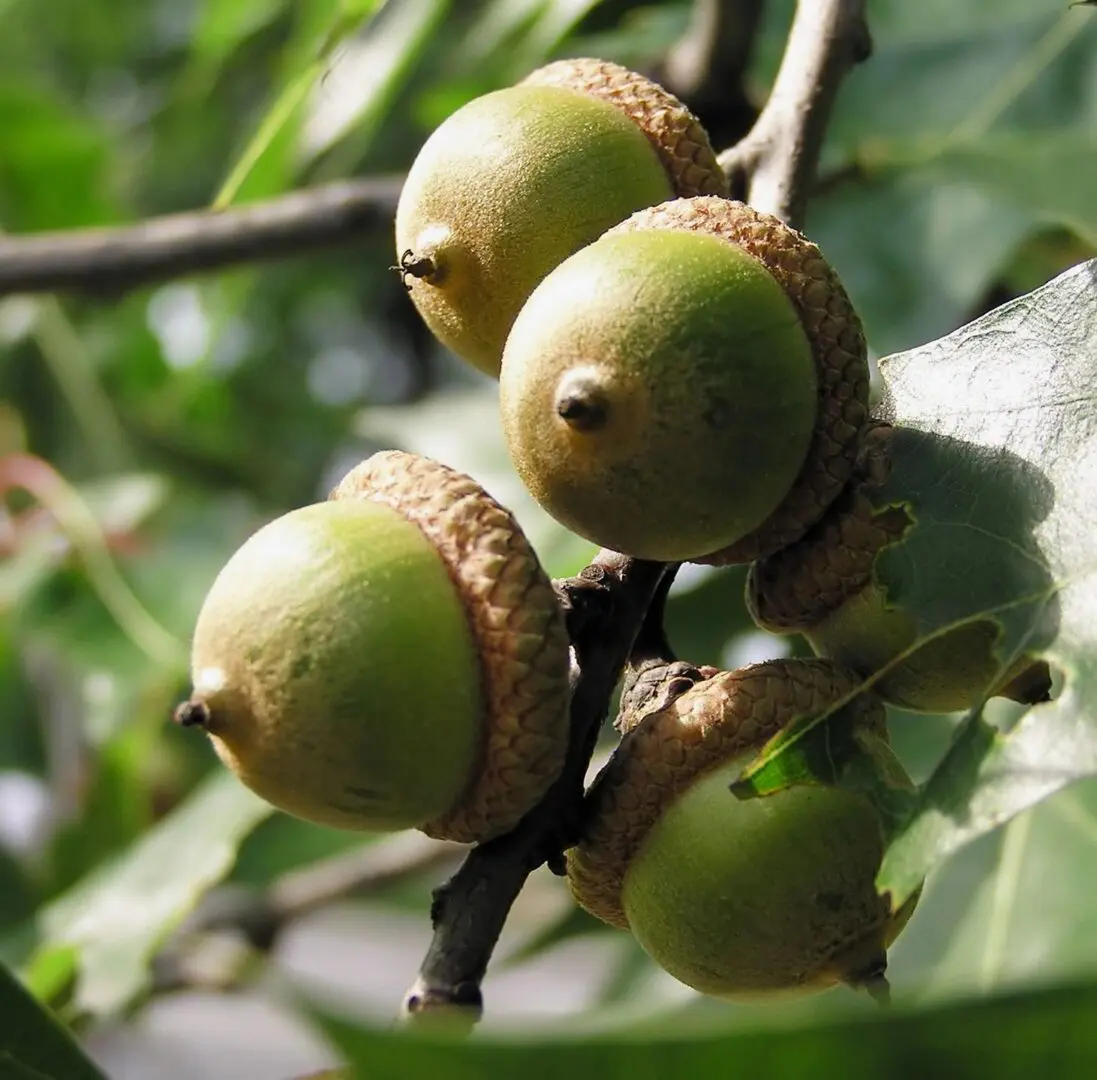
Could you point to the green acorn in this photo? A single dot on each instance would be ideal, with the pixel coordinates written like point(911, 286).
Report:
point(692, 385)
point(394, 657)
point(517, 180)
point(742, 898)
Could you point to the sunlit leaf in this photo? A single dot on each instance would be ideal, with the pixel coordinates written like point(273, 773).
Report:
point(1012, 398)
point(995, 454)
point(285, 109)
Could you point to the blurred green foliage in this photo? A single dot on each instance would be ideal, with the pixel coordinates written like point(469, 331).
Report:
point(143, 436)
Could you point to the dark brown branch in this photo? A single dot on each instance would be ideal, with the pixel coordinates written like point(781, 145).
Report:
point(113, 259)
point(469, 910)
point(775, 164)
point(654, 676)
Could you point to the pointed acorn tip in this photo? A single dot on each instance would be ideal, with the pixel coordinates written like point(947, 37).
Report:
point(874, 983)
point(191, 713)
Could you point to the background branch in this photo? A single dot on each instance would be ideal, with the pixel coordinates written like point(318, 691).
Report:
point(774, 165)
point(708, 66)
point(113, 259)
point(260, 916)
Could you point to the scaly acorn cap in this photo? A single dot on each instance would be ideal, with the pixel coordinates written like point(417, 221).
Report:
point(662, 753)
point(674, 132)
point(837, 341)
point(515, 620)
point(823, 586)
point(796, 587)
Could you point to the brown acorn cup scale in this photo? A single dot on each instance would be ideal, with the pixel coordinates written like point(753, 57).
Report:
point(823, 586)
point(392, 658)
point(517, 180)
point(692, 385)
point(739, 898)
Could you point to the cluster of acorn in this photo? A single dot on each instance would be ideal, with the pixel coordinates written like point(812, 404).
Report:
point(681, 378)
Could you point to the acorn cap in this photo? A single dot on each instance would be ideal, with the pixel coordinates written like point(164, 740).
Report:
point(515, 620)
point(838, 346)
point(798, 586)
point(675, 133)
point(824, 586)
point(664, 752)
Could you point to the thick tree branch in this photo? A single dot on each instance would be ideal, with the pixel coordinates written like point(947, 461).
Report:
point(113, 259)
point(606, 604)
point(774, 165)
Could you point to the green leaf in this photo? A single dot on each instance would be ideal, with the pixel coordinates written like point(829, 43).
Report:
point(33, 1045)
point(1045, 175)
point(1029, 919)
point(365, 79)
point(960, 71)
point(285, 112)
point(968, 131)
point(999, 1037)
point(53, 162)
point(916, 256)
point(115, 919)
point(995, 457)
point(224, 25)
point(1010, 401)
point(10, 1069)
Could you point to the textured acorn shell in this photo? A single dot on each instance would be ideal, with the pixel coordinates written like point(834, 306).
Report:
point(676, 135)
point(663, 752)
point(838, 346)
point(515, 619)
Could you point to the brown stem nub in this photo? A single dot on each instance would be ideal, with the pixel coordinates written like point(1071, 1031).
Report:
point(582, 407)
point(192, 713)
point(416, 266)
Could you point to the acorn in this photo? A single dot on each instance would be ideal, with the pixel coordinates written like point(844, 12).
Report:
point(393, 657)
point(518, 179)
point(824, 586)
point(691, 386)
point(743, 898)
